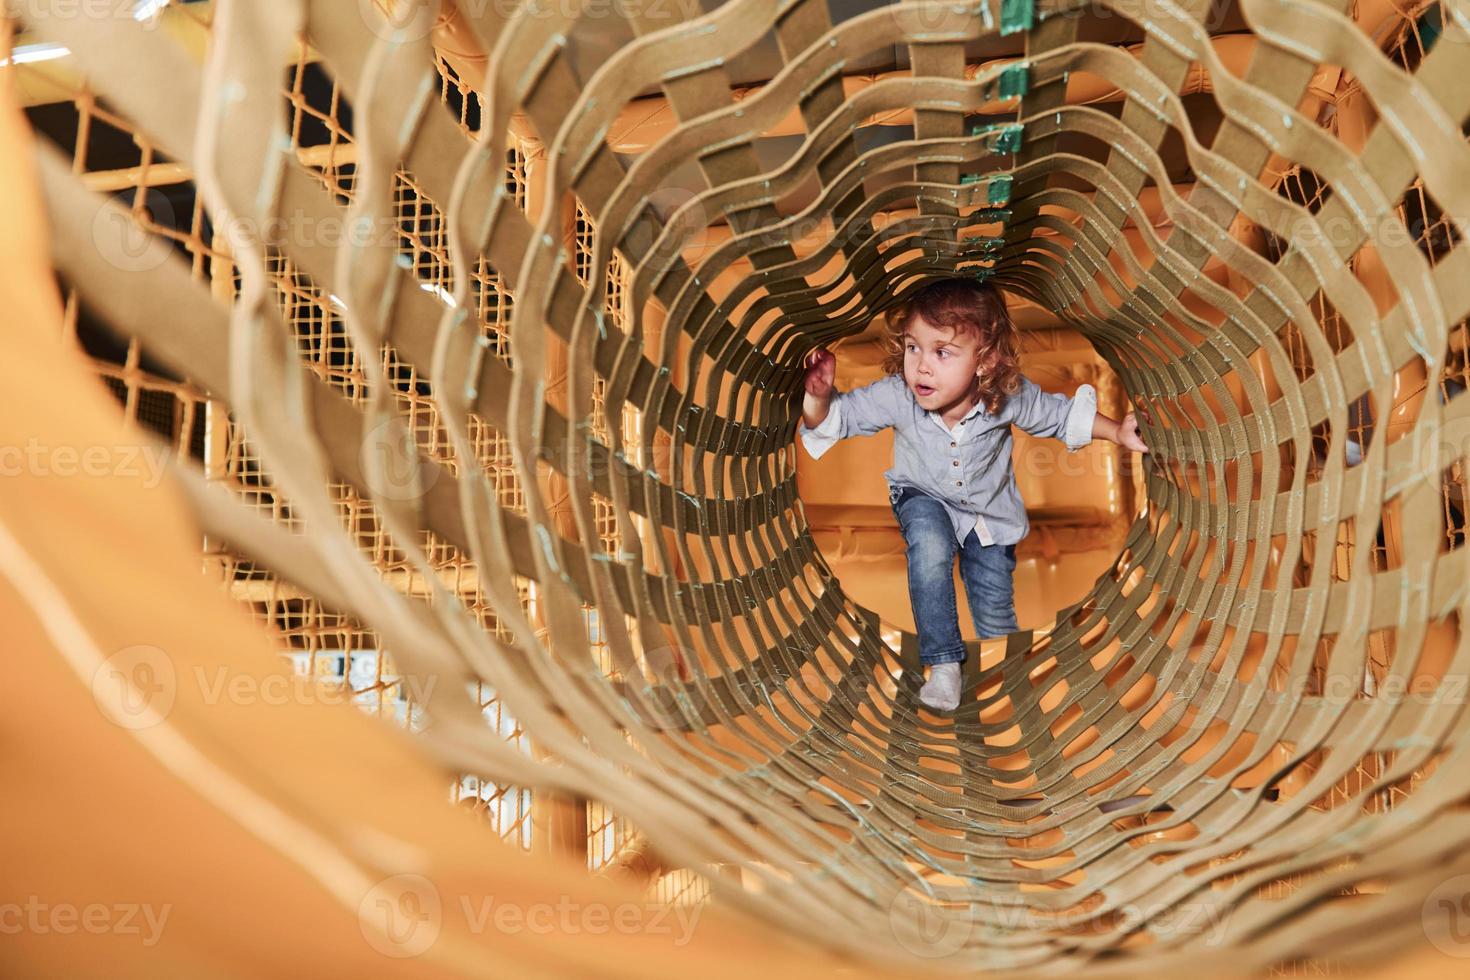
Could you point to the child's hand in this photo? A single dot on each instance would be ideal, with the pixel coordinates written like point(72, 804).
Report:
point(821, 369)
point(1128, 434)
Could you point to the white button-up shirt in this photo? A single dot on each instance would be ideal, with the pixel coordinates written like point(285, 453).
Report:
point(967, 467)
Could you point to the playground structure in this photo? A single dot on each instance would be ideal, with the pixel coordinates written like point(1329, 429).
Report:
point(479, 378)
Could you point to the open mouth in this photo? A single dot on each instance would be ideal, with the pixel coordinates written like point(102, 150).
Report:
point(923, 390)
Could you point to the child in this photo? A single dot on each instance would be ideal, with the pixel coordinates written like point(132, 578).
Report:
point(952, 391)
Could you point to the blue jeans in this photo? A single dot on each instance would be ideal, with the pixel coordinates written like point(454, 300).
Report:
point(985, 569)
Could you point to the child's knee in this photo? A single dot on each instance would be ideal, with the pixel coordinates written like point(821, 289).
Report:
point(931, 549)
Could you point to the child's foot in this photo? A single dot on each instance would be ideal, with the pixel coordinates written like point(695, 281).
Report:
point(942, 690)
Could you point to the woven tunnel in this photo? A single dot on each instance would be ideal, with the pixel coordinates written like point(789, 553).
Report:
point(493, 363)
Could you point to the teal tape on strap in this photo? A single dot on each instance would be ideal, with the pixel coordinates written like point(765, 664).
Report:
point(1017, 15)
point(1005, 137)
point(1008, 140)
point(1000, 190)
point(998, 194)
point(1430, 26)
point(1015, 80)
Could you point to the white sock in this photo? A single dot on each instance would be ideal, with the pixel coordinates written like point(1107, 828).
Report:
point(942, 690)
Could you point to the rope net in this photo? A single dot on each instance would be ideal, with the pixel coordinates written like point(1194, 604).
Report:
point(488, 417)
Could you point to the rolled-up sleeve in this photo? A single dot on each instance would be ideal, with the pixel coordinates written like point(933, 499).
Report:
point(1056, 416)
point(817, 441)
point(860, 412)
point(1078, 430)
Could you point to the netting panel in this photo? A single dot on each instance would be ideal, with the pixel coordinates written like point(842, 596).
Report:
point(1257, 713)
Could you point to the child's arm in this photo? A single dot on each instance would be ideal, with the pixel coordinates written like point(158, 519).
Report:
point(1075, 420)
point(829, 415)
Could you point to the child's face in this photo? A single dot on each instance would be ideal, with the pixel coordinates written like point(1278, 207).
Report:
point(939, 365)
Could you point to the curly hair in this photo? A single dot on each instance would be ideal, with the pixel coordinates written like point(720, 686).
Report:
point(962, 305)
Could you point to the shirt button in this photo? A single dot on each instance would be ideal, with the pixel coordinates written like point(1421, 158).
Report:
point(959, 483)
point(951, 445)
point(956, 462)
